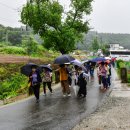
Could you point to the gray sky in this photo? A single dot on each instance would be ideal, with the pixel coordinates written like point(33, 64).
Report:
point(107, 16)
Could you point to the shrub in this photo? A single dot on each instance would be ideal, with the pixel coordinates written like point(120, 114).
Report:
point(11, 80)
point(10, 86)
point(13, 50)
point(120, 63)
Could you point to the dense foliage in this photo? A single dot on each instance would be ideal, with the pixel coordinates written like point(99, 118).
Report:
point(12, 82)
point(105, 38)
point(60, 30)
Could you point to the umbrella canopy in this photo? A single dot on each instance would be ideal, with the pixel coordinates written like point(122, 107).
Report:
point(41, 67)
point(79, 64)
point(76, 62)
point(85, 61)
point(107, 58)
point(98, 59)
point(63, 59)
point(27, 69)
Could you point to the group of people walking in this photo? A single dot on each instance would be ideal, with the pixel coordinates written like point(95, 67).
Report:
point(35, 80)
point(71, 76)
point(76, 75)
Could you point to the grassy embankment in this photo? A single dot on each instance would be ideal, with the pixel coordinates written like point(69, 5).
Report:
point(12, 83)
point(124, 64)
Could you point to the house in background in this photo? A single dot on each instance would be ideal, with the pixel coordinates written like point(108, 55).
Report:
point(119, 52)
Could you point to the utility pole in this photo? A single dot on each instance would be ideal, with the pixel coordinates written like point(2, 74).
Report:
point(6, 37)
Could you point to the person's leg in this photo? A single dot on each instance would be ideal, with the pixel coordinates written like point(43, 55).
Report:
point(63, 87)
point(49, 86)
point(105, 84)
point(108, 80)
point(36, 89)
point(79, 92)
point(44, 87)
point(100, 80)
point(67, 89)
point(103, 81)
point(84, 90)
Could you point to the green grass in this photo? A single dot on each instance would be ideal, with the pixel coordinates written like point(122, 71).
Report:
point(21, 51)
point(11, 81)
point(123, 64)
point(12, 50)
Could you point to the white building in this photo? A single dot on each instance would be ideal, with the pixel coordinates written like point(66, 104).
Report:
point(119, 52)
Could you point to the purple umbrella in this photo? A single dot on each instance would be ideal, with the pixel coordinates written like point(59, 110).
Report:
point(78, 63)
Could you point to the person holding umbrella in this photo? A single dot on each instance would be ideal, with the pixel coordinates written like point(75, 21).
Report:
point(64, 80)
point(82, 83)
point(47, 80)
point(31, 71)
point(61, 61)
point(35, 80)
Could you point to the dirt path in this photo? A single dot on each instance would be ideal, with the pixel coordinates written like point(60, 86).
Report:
point(18, 59)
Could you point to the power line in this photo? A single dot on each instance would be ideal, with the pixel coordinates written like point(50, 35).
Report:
point(8, 6)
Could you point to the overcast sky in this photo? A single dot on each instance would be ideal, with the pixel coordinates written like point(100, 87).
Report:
point(107, 16)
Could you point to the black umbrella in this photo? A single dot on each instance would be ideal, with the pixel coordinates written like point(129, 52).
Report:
point(27, 69)
point(63, 59)
point(41, 67)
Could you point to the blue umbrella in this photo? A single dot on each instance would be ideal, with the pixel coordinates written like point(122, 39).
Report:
point(98, 59)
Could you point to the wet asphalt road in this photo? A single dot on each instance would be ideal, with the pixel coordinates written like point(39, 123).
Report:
point(53, 111)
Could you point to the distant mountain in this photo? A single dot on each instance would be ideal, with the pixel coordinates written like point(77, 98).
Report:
point(122, 39)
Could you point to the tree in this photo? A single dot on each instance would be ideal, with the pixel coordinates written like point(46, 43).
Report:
point(15, 38)
point(95, 44)
point(60, 30)
point(31, 46)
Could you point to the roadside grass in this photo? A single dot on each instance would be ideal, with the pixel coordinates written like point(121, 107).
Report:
point(124, 64)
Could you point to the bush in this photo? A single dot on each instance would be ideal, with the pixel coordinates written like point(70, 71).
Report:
point(120, 63)
point(13, 50)
point(11, 80)
point(10, 86)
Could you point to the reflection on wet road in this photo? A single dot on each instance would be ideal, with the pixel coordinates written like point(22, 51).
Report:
point(53, 111)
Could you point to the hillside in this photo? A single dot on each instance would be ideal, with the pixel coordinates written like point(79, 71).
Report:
point(123, 39)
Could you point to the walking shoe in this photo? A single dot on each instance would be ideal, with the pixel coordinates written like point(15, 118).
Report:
point(44, 94)
point(64, 95)
point(37, 100)
point(69, 95)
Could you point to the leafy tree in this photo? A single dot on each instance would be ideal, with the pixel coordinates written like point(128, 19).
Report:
point(15, 38)
point(31, 46)
point(105, 49)
point(95, 44)
point(60, 30)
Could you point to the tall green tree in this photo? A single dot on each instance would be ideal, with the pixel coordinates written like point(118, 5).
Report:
point(95, 44)
point(59, 29)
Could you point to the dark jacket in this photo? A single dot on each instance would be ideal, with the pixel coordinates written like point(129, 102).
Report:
point(38, 77)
